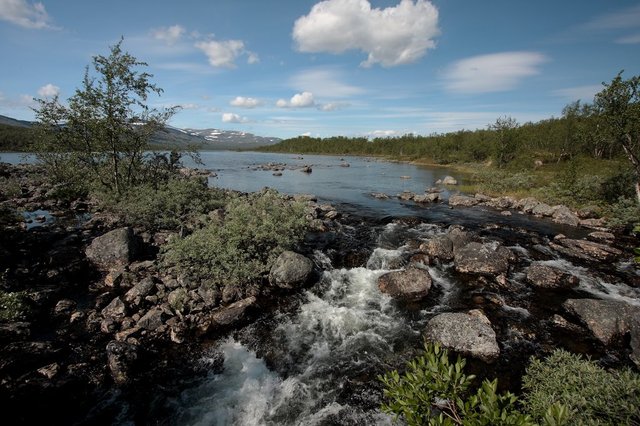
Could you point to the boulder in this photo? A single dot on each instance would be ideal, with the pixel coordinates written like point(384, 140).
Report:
point(120, 357)
point(440, 247)
point(563, 215)
point(426, 198)
point(463, 201)
point(406, 196)
point(233, 313)
point(410, 285)
point(469, 334)
point(449, 180)
point(585, 250)
point(380, 195)
point(64, 307)
point(543, 209)
point(458, 237)
point(550, 278)
point(485, 259)
point(290, 270)
point(151, 320)
point(502, 203)
point(608, 320)
point(139, 291)
point(115, 309)
point(113, 249)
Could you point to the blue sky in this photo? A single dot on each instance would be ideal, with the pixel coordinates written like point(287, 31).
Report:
point(337, 67)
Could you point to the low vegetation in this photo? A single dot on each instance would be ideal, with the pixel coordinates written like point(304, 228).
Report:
point(560, 390)
point(241, 248)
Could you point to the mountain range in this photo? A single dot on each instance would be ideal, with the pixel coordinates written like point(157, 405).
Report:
point(167, 138)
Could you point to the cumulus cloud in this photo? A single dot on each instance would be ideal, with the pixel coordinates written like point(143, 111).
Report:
point(229, 117)
point(492, 73)
point(170, 35)
point(242, 102)
point(299, 100)
point(48, 91)
point(224, 53)
point(25, 14)
point(392, 36)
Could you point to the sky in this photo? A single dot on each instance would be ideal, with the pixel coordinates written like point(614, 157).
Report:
point(284, 68)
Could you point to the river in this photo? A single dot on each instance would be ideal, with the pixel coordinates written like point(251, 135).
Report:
point(314, 359)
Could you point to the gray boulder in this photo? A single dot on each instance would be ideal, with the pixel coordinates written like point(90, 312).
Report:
point(113, 249)
point(151, 320)
point(585, 250)
point(563, 215)
point(410, 285)
point(449, 180)
point(115, 309)
point(139, 291)
point(233, 313)
point(608, 320)
point(290, 270)
point(469, 334)
point(485, 259)
point(550, 278)
point(463, 201)
point(440, 247)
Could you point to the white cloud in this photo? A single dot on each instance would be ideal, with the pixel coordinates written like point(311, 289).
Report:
point(383, 133)
point(189, 106)
point(583, 93)
point(252, 58)
point(332, 106)
point(324, 82)
point(299, 100)
point(224, 53)
point(25, 14)
point(229, 117)
point(391, 36)
point(306, 134)
point(451, 121)
point(492, 73)
point(48, 91)
point(626, 18)
point(242, 102)
point(170, 35)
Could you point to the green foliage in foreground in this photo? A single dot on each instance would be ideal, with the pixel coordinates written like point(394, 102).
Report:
point(166, 205)
point(13, 306)
point(434, 391)
point(560, 390)
point(594, 395)
point(242, 247)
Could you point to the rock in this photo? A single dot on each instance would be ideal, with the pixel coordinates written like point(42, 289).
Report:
point(114, 278)
point(608, 320)
point(598, 224)
point(120, 357)
point(115, 248)
point(108, 325)
point(410, 285)
point(13, 331)
point(600, 236)
point(380, 195)
point(527, 205)
point(463, 200)
point(151, 320)
point(290, 270)
point(139, 291)
point(469, 334)
point(482, 198)
point(505, 213)
point(449, 180)
point(64, 307)
point(234, 312)
point(426, 198)
point(585, 250)
point(115, 309)
point(178, 299)
point(458, 237)
point(543, 209)
point(563, 215)
point(550, 278)
point(440, 247)
point(406, 196)
point(306, 169)
point(50, 371)
point(501, 203)
point(485, 259)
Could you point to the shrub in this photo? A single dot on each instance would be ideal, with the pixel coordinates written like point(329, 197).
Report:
point(242, 248)
point(594, 395)
point(13, 306)
point(163, 206)
point(433, 391)
point(623, 213)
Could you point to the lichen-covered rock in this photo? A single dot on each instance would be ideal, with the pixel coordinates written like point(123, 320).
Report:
point(113, 249)
point(563, 215)
point(290, 270)
point(484, 259)
point(550, 278)
point(608, 320)
point(439, 247)
point(469, 334)
point(463, 201)
point(409, 285)
point(585, 250)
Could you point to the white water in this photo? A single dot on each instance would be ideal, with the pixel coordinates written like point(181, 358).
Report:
point(345, 327)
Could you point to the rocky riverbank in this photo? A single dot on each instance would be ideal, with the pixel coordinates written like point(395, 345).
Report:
point(100, 318)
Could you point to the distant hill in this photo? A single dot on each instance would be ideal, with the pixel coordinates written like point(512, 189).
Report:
point(15, 136)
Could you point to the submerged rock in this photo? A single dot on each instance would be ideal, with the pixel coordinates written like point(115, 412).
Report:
point(290, 270)
point(469, 334)
point(410, 285)
point(550, 278)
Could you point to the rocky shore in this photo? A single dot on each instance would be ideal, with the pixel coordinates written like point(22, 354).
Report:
point(101, 317)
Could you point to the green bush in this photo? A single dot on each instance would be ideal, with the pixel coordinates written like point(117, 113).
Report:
point(13, 306)
point(623, 213)
point(434, 391)
point(166, 205)
point(594, 395)
point(242, 248)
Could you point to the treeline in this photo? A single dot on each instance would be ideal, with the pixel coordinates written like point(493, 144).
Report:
point(578, 132)
point(14, 138)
